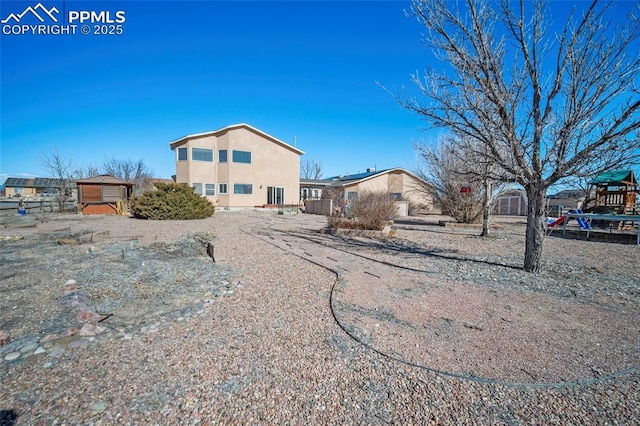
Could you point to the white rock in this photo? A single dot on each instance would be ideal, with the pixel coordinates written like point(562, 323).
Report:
point(11, 356)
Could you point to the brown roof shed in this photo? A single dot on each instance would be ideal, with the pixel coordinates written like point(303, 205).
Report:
point(104, 194)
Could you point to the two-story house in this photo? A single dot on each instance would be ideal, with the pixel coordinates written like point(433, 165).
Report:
point(239, 166)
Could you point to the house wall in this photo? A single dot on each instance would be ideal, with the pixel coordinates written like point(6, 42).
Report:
point(25, 192)
point(396, 182)
point(272, 165)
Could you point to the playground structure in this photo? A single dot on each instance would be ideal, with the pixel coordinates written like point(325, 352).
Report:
point(616, 194)
point(617, 191)
point(616, 206)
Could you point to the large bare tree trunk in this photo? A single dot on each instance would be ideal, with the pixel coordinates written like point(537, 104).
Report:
point(520, 90)
point(535, 229)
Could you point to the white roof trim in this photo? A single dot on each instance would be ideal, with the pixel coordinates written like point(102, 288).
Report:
point(174, 143)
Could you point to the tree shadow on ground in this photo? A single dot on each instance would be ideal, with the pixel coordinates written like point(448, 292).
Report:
point(394, 246)
point(8, 417)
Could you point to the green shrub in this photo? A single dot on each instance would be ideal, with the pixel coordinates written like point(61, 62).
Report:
point(170, 201)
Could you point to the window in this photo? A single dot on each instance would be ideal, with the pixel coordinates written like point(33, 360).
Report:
point(209, 189)
point(242, 188)
point(222, 156)
point(199, 154)
point(182, 154)
point(222, 188)
point(242, 157)
point(397, 196)
point(197, 188)
point(352, 196)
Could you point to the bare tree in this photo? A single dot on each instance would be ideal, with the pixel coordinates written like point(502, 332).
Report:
point(59, 168)
point(85, 172)
point(541, 105)
point(132, 171)
point(310, 170)
point(445, 168)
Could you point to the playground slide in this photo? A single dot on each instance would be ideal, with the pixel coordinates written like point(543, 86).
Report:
point(583, 223)
point(553, 223)
point(581, 220)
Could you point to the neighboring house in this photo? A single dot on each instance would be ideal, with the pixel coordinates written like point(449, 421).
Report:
point(311, 189)
point(37, 187)
point(239, 166)
point(103, 194)
point(568, 199)
point(400, 183)
point(511, 202)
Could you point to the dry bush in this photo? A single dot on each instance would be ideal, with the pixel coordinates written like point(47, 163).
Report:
point(371, 211)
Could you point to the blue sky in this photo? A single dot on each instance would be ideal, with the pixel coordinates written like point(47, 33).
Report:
point(294, 69)
point(303, 70)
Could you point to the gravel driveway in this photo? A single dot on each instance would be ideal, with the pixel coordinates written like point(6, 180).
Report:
point(271, 352)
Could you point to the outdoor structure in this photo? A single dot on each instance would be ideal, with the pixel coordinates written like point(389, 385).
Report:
point(400, 183)
point(239, 166)
point(311, 189)
point(103, 194)
point(512, 202)
point(616, 192)
point(37, 187)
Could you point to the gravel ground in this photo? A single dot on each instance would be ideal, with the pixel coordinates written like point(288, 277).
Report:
point(272, 352)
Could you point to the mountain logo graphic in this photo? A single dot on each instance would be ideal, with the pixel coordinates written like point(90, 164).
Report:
point(38, 11)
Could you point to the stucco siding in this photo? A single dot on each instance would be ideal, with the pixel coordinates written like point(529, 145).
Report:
point(272, 164)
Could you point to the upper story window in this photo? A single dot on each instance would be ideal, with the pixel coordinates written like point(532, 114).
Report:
point(199, 154)
point(242, 157)
point(182, 154)
point(222, 156)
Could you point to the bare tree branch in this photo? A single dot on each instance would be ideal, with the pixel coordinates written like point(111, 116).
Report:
point(543, 106)
point(310, 170)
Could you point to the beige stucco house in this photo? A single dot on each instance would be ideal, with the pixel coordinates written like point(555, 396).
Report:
point(239, 166)
point(403, 185)
point(400, 183)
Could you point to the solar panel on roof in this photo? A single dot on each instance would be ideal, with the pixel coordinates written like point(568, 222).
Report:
point(16, 182)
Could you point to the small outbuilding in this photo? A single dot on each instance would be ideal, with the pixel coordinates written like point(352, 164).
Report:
point(104, 194)
point(511, 202)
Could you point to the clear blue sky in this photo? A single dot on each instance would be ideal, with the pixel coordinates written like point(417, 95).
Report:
point(294, 69)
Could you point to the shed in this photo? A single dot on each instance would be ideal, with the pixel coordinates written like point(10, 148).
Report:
point(511, 202)
point(103, 194)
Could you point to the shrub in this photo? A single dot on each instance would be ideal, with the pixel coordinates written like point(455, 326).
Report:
point(371, 211)
point(170, 201)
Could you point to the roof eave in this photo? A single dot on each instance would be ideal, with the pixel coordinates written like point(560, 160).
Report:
point(174, 144)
